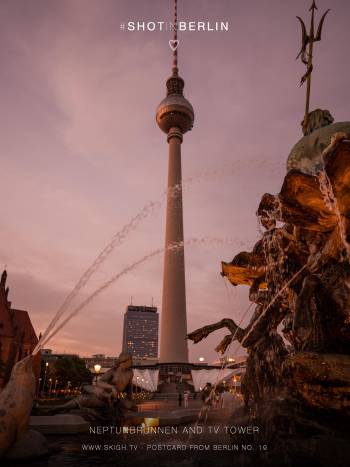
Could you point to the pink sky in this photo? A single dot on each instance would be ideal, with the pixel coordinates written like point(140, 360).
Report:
point(81, 153)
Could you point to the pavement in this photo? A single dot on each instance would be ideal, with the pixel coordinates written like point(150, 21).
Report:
point(167, 413)
point(59, 424)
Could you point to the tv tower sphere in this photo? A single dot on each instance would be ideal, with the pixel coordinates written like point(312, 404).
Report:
point(175, 111)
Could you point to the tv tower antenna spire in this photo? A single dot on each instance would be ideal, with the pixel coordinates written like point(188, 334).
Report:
point(175, 42)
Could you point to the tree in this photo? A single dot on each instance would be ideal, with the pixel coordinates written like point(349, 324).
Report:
point(67, 369)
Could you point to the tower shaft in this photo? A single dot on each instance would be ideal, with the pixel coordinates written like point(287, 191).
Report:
point(173, 345)
point(175, 116)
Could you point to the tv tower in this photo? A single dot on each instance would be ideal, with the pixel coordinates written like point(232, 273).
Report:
point(175, 117)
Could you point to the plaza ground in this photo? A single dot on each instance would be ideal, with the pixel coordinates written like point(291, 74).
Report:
point(199, 443)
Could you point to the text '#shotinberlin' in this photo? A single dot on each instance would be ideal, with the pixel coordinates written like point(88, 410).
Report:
point(191, 26)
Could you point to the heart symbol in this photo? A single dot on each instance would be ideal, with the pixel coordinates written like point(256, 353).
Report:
point(173, 44)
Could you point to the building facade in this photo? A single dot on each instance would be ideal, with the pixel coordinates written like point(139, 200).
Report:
point(140, 332)
point(17, 335)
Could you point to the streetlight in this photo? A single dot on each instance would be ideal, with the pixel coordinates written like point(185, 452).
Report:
point(46, 366)
point(56, 381)
point(234, 383)
point(38, 389)
point(201, 359)
point(50, 380)
point(97, 369)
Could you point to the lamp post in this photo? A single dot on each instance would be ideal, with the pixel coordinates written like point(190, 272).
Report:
point(46, 367)
point(38, 389)
point(97, 369)
point(234, 383)
point(56, 381)
point(50, 381)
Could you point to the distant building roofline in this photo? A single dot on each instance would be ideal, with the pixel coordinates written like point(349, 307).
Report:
point(142, 308)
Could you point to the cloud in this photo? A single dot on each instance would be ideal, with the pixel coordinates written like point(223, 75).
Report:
point(81, 153)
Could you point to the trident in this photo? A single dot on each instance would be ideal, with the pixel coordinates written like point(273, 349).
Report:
point(306, 55)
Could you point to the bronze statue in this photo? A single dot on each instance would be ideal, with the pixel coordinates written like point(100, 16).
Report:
point(299, 277)
point(106, 394)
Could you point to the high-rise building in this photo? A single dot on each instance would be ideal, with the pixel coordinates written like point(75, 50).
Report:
point(175, 117)
point(140, 333)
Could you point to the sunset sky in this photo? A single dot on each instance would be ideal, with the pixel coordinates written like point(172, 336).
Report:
point(81, 153)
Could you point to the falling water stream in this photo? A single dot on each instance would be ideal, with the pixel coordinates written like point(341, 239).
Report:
point(205, 408)
point(270, 243)
point(96, 293)
point(174, 247)
point(278, 294)
point(119, 237)
point(116, 240)
point(331, 202)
